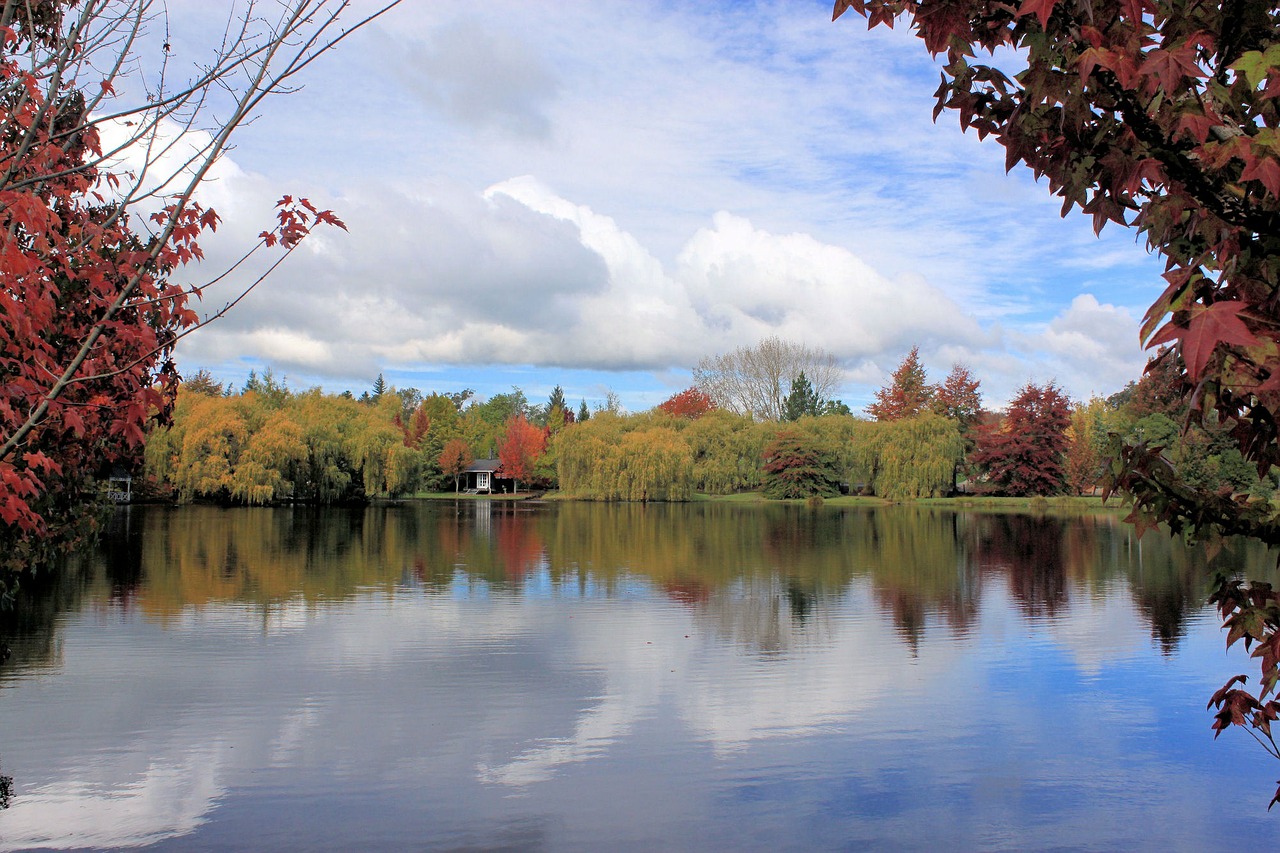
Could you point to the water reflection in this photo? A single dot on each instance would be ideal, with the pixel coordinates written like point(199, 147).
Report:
point(471, 673)
point(760, 575)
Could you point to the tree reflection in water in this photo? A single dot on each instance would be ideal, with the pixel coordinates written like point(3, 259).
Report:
point(765, 576)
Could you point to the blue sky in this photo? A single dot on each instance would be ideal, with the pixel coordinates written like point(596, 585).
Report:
point(597, 195)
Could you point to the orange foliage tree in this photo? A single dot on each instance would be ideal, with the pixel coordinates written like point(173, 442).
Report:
point(454, 459)
point(691, 403)
point(520, 448)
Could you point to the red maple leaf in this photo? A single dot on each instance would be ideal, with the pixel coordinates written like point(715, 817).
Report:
point(1208, 327)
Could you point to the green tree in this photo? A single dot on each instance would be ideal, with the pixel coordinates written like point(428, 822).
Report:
point(802, 401)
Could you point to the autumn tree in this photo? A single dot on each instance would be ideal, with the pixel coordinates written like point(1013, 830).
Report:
point(799, 464)
point(1163, 115)
point(959, 397)
point(454, 459)
point(691, 403)
point(727, 451)
point(93, 254)
point(755, 380)
point(909, 458)
point(520, 448)
point(1023, 453)
point(908, 393)
point(1087, 442)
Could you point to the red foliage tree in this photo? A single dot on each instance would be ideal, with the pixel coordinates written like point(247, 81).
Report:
point(799, 465)
point(958, 396)
point(1023, 454)
point(691, 403)
point(520, 448)
point(1162, 114)
point(90, 308)
point(907, 394)
point(417, 428)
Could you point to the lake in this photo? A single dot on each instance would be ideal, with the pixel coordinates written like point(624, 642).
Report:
point(566, 676)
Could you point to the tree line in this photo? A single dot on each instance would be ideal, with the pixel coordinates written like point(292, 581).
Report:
point(265, 443)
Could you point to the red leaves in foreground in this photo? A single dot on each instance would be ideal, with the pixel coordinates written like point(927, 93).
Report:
point(1164, 116)
point(89, 310)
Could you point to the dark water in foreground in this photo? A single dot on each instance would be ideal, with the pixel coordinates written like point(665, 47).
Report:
point(591, 677)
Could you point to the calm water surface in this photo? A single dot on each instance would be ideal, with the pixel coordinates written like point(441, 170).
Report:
point(590, 677)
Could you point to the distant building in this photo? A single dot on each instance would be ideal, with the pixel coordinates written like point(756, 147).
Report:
point(483, 477)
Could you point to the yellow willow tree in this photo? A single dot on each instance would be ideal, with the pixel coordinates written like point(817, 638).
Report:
point(908, 458)
point(655, 465)
point(587, 464)
point(726, 451)
point(373, 437)
point(614, 458)
point(214, 435)
point(268, 466)
point(327, 424)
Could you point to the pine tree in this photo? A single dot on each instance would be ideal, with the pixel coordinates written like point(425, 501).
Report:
point(802, 400)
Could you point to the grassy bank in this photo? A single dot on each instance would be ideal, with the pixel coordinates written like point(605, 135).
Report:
point(1035, 504)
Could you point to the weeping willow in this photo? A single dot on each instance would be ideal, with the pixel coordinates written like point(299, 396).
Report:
point(615, 459)
point(255, 449)
point(726, 452)
point(907, 458)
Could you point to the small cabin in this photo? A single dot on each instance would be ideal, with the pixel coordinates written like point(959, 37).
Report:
point(483, 477)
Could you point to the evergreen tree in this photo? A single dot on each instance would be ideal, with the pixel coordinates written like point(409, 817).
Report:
point(379, 387)
point(584, 414)
point(802, 400)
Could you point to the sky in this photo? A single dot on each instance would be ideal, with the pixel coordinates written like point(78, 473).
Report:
point(598, 195)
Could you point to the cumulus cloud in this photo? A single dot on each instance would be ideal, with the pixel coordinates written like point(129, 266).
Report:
point(518, 274)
